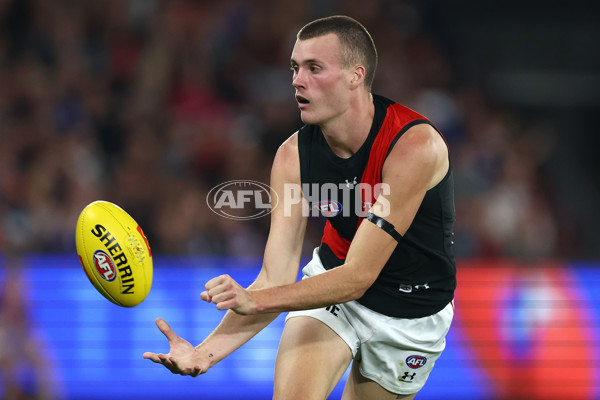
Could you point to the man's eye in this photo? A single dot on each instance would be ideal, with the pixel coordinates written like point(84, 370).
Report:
point(294, 68)
point(314, 68)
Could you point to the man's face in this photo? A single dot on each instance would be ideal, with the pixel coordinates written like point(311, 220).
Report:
point(321, 83)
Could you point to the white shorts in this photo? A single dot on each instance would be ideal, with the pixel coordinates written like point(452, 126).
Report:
point(397, 353)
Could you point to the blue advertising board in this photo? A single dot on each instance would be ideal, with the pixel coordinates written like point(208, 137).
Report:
point(519, 332)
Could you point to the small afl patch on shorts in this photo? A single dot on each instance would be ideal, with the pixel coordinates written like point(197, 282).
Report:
point(397, 353)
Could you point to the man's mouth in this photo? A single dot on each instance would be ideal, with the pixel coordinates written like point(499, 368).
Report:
point(302, 100)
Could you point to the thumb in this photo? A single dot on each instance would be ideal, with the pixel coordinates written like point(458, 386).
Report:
point(166, 329)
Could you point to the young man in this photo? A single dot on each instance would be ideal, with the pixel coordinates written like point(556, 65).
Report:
point(379, 288)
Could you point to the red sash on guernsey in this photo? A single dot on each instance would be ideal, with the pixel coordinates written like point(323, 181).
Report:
point(396, 119)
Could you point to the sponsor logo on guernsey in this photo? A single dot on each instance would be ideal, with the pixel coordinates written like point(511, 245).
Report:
point(351, 184)
point(405, 288)
point(415, 361)
point(328, 208)
point(105, 266)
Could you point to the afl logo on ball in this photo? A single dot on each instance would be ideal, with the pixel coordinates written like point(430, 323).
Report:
point(415, 362)
point(105, 266)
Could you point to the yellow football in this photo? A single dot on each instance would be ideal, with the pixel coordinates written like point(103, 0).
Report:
point(114, 253)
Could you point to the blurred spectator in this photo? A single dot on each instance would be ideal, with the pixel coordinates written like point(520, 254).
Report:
point(149, 104)
point(24, 370)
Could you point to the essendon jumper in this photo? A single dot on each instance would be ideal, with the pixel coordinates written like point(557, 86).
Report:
point(420, 277)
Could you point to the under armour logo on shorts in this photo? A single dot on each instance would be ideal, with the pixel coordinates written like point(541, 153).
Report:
point(407, 377)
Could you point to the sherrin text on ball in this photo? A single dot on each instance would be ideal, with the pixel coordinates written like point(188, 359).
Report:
point(114, 253)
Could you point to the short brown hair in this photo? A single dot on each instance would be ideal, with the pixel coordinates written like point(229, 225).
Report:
point(356, 42)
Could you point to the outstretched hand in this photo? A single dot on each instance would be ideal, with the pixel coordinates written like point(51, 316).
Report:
point(183, 358)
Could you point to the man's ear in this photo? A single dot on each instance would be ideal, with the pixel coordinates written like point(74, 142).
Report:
point(358, 76)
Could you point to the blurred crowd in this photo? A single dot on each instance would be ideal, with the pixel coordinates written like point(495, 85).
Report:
point(149, 104)
point(26, 370)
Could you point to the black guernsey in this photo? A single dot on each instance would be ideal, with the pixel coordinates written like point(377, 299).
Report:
point(420, 276)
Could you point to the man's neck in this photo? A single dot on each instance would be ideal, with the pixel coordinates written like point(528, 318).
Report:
point(347, 133)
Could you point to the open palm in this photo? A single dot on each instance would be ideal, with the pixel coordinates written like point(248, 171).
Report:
point(183, 358)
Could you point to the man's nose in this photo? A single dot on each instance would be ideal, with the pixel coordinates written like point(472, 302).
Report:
point(298, 79)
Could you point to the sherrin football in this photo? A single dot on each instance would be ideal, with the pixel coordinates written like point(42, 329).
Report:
point(114, 253)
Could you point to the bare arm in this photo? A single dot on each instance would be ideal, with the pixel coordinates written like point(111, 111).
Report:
point(280, 267)
point(281, 259)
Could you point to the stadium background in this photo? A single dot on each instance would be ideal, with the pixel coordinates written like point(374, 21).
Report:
point(149, 104)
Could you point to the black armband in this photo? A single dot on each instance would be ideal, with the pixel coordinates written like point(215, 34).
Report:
point(386, 226)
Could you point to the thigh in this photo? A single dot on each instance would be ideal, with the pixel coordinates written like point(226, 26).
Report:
point(311, 360)
point(360, 388)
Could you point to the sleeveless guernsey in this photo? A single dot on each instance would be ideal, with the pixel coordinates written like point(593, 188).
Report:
point(420, 276)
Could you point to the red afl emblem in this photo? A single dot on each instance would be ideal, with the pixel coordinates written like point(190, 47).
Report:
point(415, 362)
point(105, 266)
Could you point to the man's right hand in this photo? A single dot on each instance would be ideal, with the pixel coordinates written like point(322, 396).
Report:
point(183, 358)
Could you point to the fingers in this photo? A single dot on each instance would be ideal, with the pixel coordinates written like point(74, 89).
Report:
point(204, 296)
point(220, 289)
point(151, 356)
point(229, 296)
point(159, 359)
point(218, 285)
point(197, 371)
point(176, 369)
point(172, 365)
point(168, 363)
point(178, 345)
point(166, 330)
point(228, 304)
